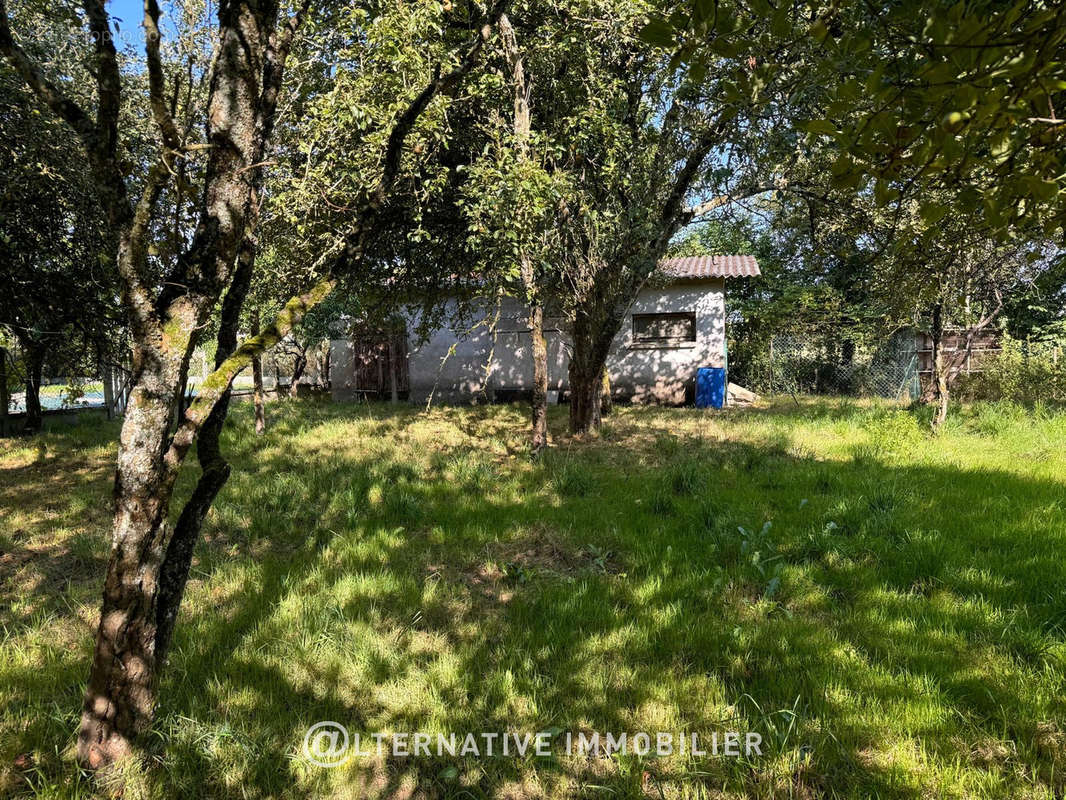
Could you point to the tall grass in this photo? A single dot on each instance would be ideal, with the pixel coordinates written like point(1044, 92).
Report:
point(884, 607)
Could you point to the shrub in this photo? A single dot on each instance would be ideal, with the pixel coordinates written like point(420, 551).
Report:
point(1024, 372)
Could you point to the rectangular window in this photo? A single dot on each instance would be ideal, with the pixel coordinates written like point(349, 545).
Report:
point(664, 328)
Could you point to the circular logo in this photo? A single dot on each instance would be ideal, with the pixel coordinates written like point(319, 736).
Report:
point(326, 744)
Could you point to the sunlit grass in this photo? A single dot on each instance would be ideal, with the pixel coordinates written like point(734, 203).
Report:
point(886, 608)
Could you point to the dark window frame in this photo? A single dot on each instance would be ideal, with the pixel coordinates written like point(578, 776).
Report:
point(645, 340)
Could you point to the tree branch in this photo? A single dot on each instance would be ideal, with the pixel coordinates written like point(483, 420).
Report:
point(441, 84)
point(162, 115)
point(718, 201)
point(108, 80)
point(277, 54)
point(216, 384)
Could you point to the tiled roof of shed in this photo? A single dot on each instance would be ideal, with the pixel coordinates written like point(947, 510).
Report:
point(710, 267)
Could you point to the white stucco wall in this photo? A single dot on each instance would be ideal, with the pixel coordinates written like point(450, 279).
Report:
point(482, 362)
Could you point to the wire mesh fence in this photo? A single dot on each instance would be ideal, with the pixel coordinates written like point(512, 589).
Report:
point(803, 365)
point(28, 395)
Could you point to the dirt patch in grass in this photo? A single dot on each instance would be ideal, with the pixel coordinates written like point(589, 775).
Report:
point(507, 565)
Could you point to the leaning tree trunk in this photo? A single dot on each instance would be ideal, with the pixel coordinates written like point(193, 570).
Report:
point(138, 590)
point(34, 377)
point(214, 469)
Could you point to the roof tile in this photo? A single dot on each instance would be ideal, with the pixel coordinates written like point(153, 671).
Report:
point(710, 267)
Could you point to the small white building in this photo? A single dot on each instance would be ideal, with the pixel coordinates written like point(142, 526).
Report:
point(674, 327)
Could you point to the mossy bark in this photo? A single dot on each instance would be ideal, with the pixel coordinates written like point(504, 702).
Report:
point(121, 694)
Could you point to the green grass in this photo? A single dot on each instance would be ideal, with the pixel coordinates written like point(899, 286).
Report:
point(888, 609)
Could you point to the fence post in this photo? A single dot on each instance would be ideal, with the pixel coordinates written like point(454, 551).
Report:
point(5, 398)
point(109, 388)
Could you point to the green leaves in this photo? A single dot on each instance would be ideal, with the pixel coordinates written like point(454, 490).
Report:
point(658, 32)
point(818, 126)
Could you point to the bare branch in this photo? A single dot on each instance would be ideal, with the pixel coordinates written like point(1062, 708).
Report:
point(718, 201)
point(162, 115)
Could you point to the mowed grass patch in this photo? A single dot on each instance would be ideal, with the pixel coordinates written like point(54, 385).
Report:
point(886, 608)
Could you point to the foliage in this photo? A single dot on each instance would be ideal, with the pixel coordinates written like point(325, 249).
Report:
point(936, 93)
point(1026, 372)
point(965, 95)
point(57, 284)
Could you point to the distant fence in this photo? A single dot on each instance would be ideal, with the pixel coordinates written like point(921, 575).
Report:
point(106, 388)
point(956, 358)
point(802, 365)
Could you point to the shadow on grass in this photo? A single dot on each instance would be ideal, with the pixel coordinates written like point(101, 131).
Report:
point(890, 629)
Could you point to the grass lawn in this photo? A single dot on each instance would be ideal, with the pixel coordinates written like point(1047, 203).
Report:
point(887, 609)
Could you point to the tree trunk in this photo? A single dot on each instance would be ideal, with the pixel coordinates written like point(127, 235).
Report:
point(539, 439)
point(277, 379)
point(34, 376)
point(120, 696)
point(585, 402)
point(606, 404)
point(257, 383)
point(215, 470)
point(5, 397)
point(394, 388)
point(109, 388)
point(299, 364)
point(939, 380)
point(522, 122)
point(591, 344)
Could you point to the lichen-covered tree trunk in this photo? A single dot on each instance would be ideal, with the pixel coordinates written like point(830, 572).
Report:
point(120, 696)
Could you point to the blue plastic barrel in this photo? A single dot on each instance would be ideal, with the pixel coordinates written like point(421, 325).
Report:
point(710, 387)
